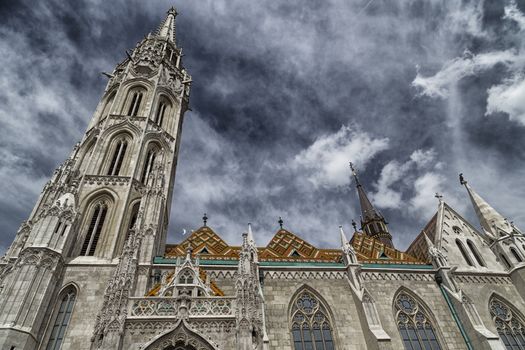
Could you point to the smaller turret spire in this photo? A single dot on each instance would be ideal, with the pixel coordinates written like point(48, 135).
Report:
point(251, 240)
point(372, 222)
point(167, 27)
point(493, 223)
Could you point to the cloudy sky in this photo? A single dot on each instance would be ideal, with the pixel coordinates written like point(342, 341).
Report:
point(285, 93)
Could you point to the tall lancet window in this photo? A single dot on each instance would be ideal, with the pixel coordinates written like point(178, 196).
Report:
point(118, 156)
point(464, 252)
point(475, 252)
point(63, 314)
point(161, 111)
point(134, 106)
point(517, 255)
point(148, 165)
point(94, 229)
point(311, 326)
point(511, 328)
point(414, 324)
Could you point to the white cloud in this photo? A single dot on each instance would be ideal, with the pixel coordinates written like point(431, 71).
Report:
point(326, 160)
point(513, 13)
point(508, 97)
point(458, 68)
point(418, 176)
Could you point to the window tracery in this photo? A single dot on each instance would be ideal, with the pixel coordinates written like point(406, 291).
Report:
point(311, 326)
point(510, 328)
point(148, 164)
point(94, 229)
point(61, 320)
point(118, 157)
point(414, 325)
point(186, 277)
point(136, 100)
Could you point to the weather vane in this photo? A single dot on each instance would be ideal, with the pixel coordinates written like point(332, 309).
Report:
point(462, 179)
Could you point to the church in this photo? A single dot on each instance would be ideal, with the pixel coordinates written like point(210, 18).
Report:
point(90, 267)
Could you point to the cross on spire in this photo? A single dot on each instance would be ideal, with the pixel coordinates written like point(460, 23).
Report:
point(205, 219)
point(281, 222)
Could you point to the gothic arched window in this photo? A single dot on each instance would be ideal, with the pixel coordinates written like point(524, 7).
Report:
point(311, 326)
point(94, 229)
point(162, 109)
point(186, 277)
point(63, 315)
point(505, 261)
point(118, 156)
point(148, 165)
point(475, 252)
point(414, 324)
point(511, 328)
point(136, 99)
point(517, 255)
point(464, 252)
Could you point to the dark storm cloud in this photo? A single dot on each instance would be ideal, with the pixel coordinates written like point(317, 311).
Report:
point(285, 93)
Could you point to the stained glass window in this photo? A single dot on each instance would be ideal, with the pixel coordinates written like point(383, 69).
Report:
point(510, 328)
point(311, 326)
point(61, 321)
point(414, 325)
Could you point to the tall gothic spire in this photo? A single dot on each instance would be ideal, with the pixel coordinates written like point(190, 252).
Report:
point(491, 221)
point(372, 222)
point(167, 27)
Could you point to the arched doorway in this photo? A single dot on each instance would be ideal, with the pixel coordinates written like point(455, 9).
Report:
point(181, 338)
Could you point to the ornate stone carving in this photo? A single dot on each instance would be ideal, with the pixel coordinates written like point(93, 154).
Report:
point(182, 335)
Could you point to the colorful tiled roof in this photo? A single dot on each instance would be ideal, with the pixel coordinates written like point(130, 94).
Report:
point(286, 246)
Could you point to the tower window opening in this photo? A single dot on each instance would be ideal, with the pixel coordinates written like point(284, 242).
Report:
point(118, 157)
point(159, 117)
point(148, 165)
point(135, 104)
point(464, 252)
point(517, 256)
point(475, 252)
point(94, 229)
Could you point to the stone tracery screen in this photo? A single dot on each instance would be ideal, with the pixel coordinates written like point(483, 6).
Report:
point(311, 327)
point(414, 325)
point(510, 328)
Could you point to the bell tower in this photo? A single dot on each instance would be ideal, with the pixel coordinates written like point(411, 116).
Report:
point(117, 181)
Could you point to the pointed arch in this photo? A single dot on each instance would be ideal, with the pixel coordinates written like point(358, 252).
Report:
point(182, 335)
point(117, 158)
point(415, 322)
point(464, 252)
point(475, 252)
point(311, 324)
point(517, 256)
point(509, 322)
point(60, 316)
point(153, 153)
point(95, 222)
point(136, 98)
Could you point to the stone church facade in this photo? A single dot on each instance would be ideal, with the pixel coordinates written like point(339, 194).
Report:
point(90, 268)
